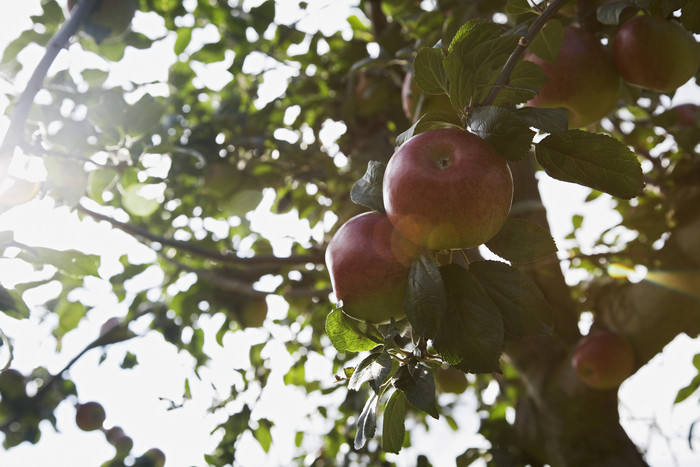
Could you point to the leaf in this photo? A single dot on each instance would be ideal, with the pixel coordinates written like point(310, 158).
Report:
point(594, 160)
point(263, 435)
point(393, 428)
point(416, 382)
point(429, 72)
point(688, 390)
point(524, 309)
point(609, 13)
point(425, 301)
point(367, 422)
point(429, 121)
point(100, 180)
point(367, 191)
point(374, 369)
point(12, 305)
point(471, 333)
point(136, 203)
point(345, 333)
point(548, 41)
point(143, 115)
point(503, 130)
point(547, 120)
point(518, 7)
point(527, 77)
point(184, 36)
point(521, 241)
point(70, 262)
point(690, 17)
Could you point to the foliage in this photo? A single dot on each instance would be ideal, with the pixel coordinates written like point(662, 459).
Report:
point(181, 164)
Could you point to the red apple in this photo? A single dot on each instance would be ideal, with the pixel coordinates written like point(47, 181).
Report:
point(90, 416)
point(686, 115)
point(447, 189)
point(584, 80)
point(603, 360)
point(108, 18)
point(368, 262)
point(654, 53)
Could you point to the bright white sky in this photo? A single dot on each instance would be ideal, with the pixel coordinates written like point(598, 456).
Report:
point(134, 399)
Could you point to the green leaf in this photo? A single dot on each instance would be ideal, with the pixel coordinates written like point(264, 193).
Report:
point(416, 382)
point(518, 7)
point(136, 203)
point(547, 120)
point(12, 305)
point(548, 41)
point(425, 301)
point(521, 241)
point(688, 390)
point(70, 262)
point(429, 71)
point(609, 13)
point(527, 77)
point(431, 120)
point(594, 160)
point(503, 130)
point(143, 115)
point(471, 333)
point(393, 428)
point(374, 369)
point(367, 191)
point(690, 17)
point(367, 422)
point(263, 434)
point(98, 181)
point(184, 36)
point(524, 309)
point(346, 333)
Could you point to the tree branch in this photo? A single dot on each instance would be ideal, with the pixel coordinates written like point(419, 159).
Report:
point(224, 257)
point(15, 132)
point(504, 77)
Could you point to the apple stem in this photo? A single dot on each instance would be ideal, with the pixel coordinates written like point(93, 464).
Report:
point(535, 27)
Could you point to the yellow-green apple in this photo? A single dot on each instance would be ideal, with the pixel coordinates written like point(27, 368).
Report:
point(583, 81)
point(447, 189)
point(603, 360)
point(90, 416)
point(655, 53)
point(368, 262)
point(451, 380)
point(108, 17)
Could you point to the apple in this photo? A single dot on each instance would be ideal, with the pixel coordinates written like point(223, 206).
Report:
point(121, 442)
point(654, 53)
point(155, 456)
point(451, 380)
point(108, 18)
point(253, 313)
point(584, 80)
point(12, 384)
point(686, 115)
point(447, 189)
point(368, 263)
point(90, 416)
point(603, 360)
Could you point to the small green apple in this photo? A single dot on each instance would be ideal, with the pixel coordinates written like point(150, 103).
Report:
point(447, 189)
point(603, 360)
point(655, 53)
point(583, 81)
point(451, 380)
point(368, 263)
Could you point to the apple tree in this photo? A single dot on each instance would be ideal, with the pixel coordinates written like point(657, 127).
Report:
point(571, 91)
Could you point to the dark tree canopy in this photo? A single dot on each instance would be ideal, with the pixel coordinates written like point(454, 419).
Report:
point(262, 108)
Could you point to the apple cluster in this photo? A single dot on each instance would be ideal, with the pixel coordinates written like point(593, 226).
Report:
point(649, 52)
point(443, 189)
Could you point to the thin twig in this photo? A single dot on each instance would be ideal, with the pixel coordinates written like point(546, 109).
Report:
point(504, 77)
point(224, 257)
point(15, 132)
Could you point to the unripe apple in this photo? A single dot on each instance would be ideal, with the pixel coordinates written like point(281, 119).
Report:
point(603, 360)
point(12, 384)
point(451, 380)
point(584, 80)
point(121, 442)
point(155, 456)
point(447, 189)
point(655, 53)
point(90, 416)
point(253, 313)
point(108, 18)
point(368, 262)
